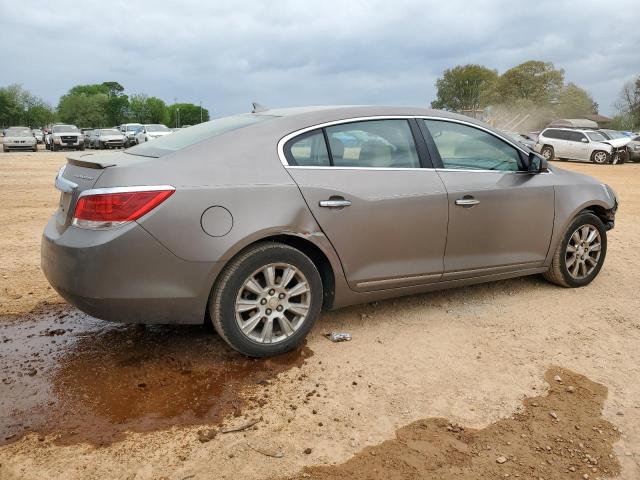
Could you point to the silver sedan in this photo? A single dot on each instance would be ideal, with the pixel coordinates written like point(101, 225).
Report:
point(257, 222)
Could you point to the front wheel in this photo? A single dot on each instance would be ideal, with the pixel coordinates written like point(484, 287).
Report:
point(581, 253)
point(600, 157)
point(266, 300)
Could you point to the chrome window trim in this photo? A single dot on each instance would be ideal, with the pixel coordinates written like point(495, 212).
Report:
point(301, 131)
point(139, 188)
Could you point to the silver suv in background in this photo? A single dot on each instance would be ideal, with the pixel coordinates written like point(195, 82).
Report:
point(578, 144)
point(65, 136)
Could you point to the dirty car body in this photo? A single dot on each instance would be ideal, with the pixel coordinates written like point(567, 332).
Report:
point(258, 221)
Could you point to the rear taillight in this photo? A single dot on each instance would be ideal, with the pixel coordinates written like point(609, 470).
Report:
point(113, 207)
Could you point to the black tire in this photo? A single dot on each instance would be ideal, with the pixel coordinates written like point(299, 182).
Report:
point(35, 149)
point(558, 272)
point(54, 148)
point(222, 303)
point(548, 152)
point(600, 157)
point(5, 149)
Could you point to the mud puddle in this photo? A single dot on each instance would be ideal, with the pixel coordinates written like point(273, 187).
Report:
point(560, 435)
point(72, 378)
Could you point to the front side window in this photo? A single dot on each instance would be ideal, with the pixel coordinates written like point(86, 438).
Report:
point(308, 150)
point(373, 144)
point(462, 147)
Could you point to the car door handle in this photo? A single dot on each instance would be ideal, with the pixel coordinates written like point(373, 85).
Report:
point(467, 202)
point(335, 203)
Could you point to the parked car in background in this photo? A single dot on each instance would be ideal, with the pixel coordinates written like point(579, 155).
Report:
point(130, 130)
point(578, 144)
point(65, 136)
point(633, 147)
point(87, 133)
point(19, 138)
point(103, 138)
point(149, 132)
point(622, 155)
point(160, 233)
point(37, 132)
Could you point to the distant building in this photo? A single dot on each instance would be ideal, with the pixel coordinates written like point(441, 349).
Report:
point(601, 120)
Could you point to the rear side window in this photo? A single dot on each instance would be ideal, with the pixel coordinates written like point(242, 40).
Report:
point(462, 147)
point(575, 136)
point(192, 135)
point(308, 150)
point(551, 133)
point(373, 144)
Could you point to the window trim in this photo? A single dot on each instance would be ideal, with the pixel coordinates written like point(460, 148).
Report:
point(291, 159)
point(283, 141)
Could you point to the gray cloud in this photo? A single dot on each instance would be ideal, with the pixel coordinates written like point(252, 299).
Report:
point(285, 53)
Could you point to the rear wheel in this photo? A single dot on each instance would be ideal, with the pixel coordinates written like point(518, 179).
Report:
point(266, 300)
point(547, 152)
point(600, 157)
point(54, 147)
point(581, 253)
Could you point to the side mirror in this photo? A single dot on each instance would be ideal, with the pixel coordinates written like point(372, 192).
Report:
point(584, 140)
point(537, 163)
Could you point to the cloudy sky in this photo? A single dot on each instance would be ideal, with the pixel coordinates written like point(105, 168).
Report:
point(283, 53)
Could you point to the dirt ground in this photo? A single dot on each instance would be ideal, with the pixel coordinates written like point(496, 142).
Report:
point(439, 385)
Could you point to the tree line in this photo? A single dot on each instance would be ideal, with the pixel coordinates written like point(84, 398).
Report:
point(95, 105)
point(533, 88)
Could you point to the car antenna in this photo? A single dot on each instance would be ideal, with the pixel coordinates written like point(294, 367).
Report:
point(257, 108)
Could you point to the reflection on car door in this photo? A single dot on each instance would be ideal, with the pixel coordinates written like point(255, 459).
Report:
point(384, 214)
point(500, 220)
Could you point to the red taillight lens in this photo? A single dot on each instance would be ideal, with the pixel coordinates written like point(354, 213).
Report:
point(105, 210)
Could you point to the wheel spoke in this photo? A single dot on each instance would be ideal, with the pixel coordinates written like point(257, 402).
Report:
point(575, 237)
point(571, 261)
point(571, 248)
point(267, 331)
point(591, 260)
point(583, 269)
point(576, 266)
point(253, 286)
point(595, 247)
point(285, 325)
point(299, 289)
point(592, 235)
point(251, 324)
point(584, 232)
point(298, 309)
point(244, 305)
point(270, 275)
point(287, 276)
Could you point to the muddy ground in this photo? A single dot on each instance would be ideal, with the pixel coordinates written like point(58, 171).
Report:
point(441, 385)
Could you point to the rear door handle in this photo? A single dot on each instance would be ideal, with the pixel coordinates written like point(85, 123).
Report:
point(467, 202)
point(335, 203)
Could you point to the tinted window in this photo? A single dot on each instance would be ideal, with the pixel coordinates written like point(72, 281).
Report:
point(192, 135)
point(551, 133)
point(309, 150)
point(574, 136)
point(464, 147)
point(375, 143)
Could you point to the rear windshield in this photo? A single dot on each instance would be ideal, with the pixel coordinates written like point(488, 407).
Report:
point(189, 136)
point(64, 128)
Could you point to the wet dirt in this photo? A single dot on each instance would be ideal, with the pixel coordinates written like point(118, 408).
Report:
point(76, 379)
point(560, 435)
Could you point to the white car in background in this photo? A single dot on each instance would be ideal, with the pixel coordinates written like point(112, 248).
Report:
point(149, 132)
point(578, 144)
point(19, 138)
point(38, 134)
point(130, 130)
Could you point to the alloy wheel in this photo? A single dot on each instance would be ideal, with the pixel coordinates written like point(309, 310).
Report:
point(583, 251)
point(600, 157)
point(273, 303)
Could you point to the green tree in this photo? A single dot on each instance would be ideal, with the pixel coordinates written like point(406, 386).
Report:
point(575, 102)
point(186, 114)
point(145, 109)
point(539, 82)
point(629, 102)
point(158, 112)
point(84, 110)
point(19, 107)
point(464, 87)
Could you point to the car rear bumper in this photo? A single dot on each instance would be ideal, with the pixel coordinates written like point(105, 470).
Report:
point(125, 275)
